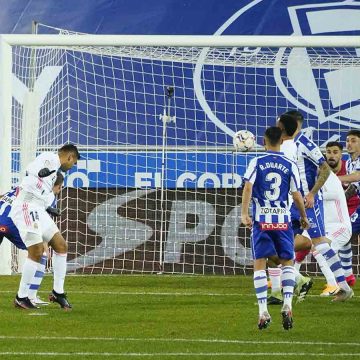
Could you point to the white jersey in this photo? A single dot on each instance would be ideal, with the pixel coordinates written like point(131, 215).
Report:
point(335, 206)
point(336, 215)
point(40, 188)
point(289, 148)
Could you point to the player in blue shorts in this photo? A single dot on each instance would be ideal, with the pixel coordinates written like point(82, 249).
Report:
point(314, 171)
point(268, 181)
point(7, 227)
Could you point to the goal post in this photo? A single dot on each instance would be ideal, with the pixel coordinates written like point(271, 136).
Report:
point(146, 197)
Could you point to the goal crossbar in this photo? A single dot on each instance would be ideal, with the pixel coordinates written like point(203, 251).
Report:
point(181, 40)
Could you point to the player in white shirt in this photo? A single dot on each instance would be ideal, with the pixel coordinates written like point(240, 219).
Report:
point(314, 172)
point(30, 217)
point(337, 219)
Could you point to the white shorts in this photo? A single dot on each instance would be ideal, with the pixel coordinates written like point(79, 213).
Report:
point(49, 228)
point(338, 234)
point(33, 222)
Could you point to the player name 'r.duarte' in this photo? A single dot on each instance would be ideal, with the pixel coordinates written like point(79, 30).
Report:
point(272, 165)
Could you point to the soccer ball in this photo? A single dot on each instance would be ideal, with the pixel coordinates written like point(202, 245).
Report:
point(244, 140)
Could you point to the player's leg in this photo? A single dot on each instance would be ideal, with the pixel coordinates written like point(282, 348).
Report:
point(59, 261)
point(27, 219)
point(339, 235)
point(322, 246)
point(331, 287)
point(31, 265)
point(274, 272)
point(341, 244)
point(345, 253)
point(262, 248)
point(49, 229)
point(37, 280)
point(302, 242)
point(284, 244)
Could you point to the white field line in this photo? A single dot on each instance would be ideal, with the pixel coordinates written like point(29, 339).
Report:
point(187, 354)
point(154, 293)
point(178, 340)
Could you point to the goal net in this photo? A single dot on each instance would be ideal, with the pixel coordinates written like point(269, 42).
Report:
point(158, 187)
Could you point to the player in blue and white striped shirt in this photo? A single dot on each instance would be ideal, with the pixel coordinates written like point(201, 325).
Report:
point(353, 174)
point(7, 226)
point(314, 172)
point(268, 181)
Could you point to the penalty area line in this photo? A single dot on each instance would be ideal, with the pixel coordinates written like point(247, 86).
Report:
point(178, 340)
point(175, 354)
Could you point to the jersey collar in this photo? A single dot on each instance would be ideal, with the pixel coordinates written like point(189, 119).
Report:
point(274, 152)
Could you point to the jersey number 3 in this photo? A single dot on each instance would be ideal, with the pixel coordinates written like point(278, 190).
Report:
point(275, 180)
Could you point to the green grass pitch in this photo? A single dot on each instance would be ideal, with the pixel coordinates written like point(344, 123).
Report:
point(173, 317)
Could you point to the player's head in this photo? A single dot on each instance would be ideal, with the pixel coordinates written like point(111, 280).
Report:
point(297, 115)
point(288, 124)
point(353, 141)
point(333, 153)
point(69, 155)
point(273, 137)
point(58, 183)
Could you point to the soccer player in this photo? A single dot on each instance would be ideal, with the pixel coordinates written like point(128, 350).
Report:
point(353, 176)
point(268, 180)
point(10, 231)
point(314, 171)
point(51, 237)
point(289, 148)
point(30, 217)
point(337, 221)
point(7, 227)
point(338, 166)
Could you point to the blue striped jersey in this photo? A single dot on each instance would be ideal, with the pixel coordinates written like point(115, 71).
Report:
point(353, 166)
point(309, 158)
point(272, 176)
point(6, 201)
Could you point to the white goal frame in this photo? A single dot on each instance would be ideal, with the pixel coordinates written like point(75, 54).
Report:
point(9, 40)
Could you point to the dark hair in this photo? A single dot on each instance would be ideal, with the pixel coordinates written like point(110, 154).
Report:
point(334, 143)
point(70, 148)
point(273, 134)
point(59, 178)
point(296, 114)
point(354, 133)
point(289, 122)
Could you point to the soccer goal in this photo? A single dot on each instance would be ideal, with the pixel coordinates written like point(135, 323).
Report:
point(158, 187)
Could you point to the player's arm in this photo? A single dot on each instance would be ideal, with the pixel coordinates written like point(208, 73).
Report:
point(297, 197)
point(246, 198)
point(249, 178)
point(324, 171)
point(299, 203)
point(353, 177)
point(350, 191)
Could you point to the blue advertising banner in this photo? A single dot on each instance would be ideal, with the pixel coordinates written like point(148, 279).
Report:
point(143, 170)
